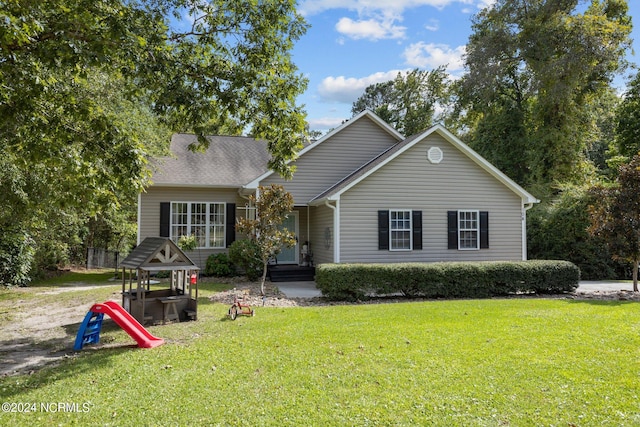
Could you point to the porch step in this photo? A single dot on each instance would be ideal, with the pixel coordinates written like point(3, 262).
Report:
point(291, 273)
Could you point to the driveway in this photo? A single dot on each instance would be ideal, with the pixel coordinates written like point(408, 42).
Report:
point(604, 285)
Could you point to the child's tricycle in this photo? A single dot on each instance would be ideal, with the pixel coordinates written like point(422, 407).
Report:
point(239, 308)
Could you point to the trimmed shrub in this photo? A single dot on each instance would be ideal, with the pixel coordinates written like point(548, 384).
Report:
point(219, 265)
point(446, 279)
point(245, 254)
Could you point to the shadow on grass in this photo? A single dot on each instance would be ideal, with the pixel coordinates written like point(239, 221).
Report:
point(602, 302)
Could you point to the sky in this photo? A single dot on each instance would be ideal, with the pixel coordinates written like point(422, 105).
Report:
point(352, 44)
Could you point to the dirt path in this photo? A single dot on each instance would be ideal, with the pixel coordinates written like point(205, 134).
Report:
point(39, 334)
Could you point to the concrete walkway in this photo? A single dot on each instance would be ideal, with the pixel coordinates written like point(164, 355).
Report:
point(298, 289)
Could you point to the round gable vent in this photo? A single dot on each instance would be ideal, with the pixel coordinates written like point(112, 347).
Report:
point(435, 155)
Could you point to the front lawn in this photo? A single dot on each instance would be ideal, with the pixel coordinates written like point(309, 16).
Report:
point(503, 362)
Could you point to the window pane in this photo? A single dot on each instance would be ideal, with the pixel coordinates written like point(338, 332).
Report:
point(216, 225)
point(179, 220)
point(400, 240)
point(199, 222)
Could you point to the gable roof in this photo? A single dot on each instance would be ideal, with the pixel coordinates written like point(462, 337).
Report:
point(364, 114)
point(378, 162)
point(230, 161)
point(157, 254)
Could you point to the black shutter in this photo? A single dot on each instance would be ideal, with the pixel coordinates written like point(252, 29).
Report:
point(452, 229)
point(165, 218)
point(230, 229)
point(383, 230)
point(484, 230)
point(416, 219)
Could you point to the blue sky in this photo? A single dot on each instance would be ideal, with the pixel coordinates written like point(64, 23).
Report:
point(352, 44)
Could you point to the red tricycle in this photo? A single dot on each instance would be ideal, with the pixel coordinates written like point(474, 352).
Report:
point(239, 308)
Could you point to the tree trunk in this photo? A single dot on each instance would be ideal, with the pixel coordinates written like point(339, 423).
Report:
point(635, 275)
point(264, 276)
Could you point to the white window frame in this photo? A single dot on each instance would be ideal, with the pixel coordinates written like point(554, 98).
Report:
point(392, 230)
point(190, 227)
point(475, 230)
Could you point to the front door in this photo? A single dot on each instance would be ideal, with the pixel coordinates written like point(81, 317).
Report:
point(290, 255)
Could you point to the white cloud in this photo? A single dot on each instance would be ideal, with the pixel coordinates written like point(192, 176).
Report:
point(431, 55)
point(347, 89)
point(433, 25)
point(371, 29)
point(325, 123)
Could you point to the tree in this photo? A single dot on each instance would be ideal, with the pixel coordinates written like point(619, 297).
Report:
point(91, 88)
point(627, 121)
point(411, 102)
point(559, 230)
point(272, 205)
point(535, 69)
point(616, 216)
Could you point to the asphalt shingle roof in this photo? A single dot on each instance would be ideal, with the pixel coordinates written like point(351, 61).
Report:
point(230, 161)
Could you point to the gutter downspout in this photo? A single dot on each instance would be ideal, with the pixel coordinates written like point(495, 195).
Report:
point(308, 215)
point(525, 208)
point(336, 230)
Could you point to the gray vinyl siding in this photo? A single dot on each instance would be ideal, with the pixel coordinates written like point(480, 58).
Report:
point(150, 210)
point(411, 182)
point(321, 219)
point(334, 158)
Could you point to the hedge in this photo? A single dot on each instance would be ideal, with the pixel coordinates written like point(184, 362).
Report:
point(446, 279)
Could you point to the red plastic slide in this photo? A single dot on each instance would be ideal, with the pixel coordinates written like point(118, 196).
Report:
point(128, 323)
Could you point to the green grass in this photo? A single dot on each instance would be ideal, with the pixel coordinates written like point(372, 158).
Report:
point(89, 277)
point(511, 362)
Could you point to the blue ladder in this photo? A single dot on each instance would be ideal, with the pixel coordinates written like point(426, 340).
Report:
point(89, 332)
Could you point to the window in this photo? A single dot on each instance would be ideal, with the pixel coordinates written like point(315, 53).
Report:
point(400, 230)
point(468, 230)
point(206, 221)
point(216, 225)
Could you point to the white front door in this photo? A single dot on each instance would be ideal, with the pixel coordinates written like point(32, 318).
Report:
point(290, 255)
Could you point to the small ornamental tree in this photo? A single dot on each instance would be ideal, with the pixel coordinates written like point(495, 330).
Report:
point(617, 216)
point(272, 204)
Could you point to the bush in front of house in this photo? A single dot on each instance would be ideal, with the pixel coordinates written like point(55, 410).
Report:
point(245, 254)
point(447, 279)
point(219, 265)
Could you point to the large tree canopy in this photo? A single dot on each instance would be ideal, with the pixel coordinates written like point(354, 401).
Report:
point(90, 88)
point(535, 70)
point(411, 102)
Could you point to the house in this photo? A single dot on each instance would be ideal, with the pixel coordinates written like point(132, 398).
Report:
point(362, 193)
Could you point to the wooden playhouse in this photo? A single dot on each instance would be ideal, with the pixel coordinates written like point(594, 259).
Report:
point(178, 302)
